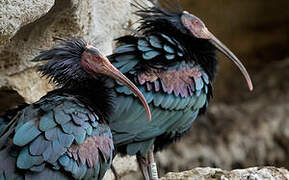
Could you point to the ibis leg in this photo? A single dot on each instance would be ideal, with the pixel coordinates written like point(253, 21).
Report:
point(116, 177)
point(152, 164)
point(143, 165)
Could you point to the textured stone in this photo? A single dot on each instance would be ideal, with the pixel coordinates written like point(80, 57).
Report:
point(29, 85)
point(255, 173)
point(14, 14)
point(96, 21)
point(124, 166)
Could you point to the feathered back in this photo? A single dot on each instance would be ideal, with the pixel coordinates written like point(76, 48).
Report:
point(64, 66)
point(165, 17)
point(162, 33)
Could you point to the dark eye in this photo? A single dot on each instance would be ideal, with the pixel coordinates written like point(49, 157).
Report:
point(196, 22)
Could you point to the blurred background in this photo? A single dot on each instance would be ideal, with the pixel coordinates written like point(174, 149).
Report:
point(241, 128)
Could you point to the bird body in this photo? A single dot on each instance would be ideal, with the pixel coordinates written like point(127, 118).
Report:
point(171, 57)
point(176, 93)
point(65, 134)
point(173, 70)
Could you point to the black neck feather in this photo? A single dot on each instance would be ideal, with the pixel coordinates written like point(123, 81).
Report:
point(64, 63)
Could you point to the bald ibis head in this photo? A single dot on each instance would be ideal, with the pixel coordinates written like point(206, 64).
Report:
point(186, 27)
point(199, 30)
point(73, 62)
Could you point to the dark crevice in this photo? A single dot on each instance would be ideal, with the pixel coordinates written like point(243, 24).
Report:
point(9, 98)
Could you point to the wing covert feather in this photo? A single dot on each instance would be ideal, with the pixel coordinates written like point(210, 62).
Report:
point(61, 131)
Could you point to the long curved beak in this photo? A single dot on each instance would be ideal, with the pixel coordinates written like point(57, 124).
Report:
point(116, 74)
point(103, 66)
point(226, 51)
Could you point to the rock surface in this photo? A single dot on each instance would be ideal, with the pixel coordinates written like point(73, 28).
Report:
point(270, 173)
point(124, 167)
point(96, 21)
point(14, 14)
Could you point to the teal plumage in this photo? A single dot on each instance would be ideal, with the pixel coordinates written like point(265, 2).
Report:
point(50, 136)
point(174, 105)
